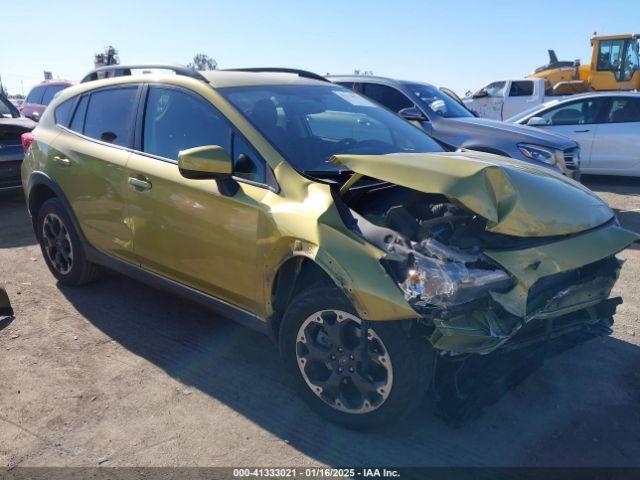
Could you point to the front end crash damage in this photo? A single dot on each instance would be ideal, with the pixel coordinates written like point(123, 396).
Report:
point(488, 255)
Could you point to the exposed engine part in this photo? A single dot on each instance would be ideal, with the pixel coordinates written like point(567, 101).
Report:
point(431, 264)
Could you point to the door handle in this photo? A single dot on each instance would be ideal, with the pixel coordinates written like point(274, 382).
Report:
point(63, 162)
point(581, 131)
point(139, 184)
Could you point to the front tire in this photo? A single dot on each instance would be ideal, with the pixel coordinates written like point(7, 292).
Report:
point(320, 343)
point(61, 246)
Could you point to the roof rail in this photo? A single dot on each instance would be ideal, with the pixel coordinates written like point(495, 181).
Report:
point(124, 70)
point(295, 71)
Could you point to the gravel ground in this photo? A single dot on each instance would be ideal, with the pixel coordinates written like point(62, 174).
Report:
point(118, 373)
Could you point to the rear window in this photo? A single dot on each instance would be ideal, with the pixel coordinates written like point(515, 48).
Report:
point(35, 95)
point(109, 115)
point(63, 112)
point(50, 92)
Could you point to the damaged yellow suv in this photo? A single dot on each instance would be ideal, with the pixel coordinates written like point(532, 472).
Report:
point(306, 211)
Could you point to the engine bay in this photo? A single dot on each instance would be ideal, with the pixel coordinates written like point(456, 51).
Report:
point(435, 246)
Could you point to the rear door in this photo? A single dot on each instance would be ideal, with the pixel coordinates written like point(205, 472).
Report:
point(616, 145)
point(89, 159)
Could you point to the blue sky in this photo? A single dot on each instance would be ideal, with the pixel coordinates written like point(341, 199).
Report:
point(454, 43)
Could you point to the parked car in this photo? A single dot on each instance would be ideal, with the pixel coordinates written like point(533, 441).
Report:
point(322, 219)
point(606, 125)
point(12, 126)
point(40, 96)
point(505, 98)
point(442, 117)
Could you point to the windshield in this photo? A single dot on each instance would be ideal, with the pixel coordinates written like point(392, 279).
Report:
point(309, 124)
point(538, 108)
point(7, 110)
point(438, 102)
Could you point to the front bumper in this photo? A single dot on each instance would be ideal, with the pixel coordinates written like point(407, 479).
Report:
point(564, 282)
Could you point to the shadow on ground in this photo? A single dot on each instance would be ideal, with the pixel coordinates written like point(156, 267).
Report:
point(568, 407)
point(16, 227)
point(613, 184)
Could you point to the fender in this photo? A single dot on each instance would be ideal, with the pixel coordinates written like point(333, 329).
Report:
point(38, 178)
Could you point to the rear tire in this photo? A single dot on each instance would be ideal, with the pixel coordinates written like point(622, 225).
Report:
point(320, 345)
point(61, 246)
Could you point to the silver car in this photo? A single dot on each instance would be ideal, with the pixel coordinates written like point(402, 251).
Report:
point(450, 123)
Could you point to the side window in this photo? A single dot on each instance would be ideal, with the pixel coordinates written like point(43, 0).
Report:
point(35, 95)
point(576, 113)
point(610, 56)
point(387, 96)
point(521, 88)
point(247, 163)
point(631, 59)
point(495, 89)
point(63, 112)
point(109, 115)
point(50, 92)
point(176, 120)
point(77, 124)
point(624, 110)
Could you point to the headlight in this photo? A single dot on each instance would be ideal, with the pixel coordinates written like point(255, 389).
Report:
point(540, 154)
point(432, 281)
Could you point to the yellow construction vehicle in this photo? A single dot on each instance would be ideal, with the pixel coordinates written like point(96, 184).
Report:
point(615, 65)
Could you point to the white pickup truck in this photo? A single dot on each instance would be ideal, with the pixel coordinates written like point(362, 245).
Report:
point(505, 98)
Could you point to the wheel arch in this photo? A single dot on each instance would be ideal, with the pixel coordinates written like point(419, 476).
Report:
point(40, 188)
point(293, 275)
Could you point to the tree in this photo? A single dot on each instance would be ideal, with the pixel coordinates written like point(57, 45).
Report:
point(202, 61)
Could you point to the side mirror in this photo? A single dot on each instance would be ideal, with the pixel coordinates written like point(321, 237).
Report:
point(480, 94)
point(536, 122)
point(210, 161)
point(413, 114)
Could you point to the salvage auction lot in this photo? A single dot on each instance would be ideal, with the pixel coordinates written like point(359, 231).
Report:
point(118, 373)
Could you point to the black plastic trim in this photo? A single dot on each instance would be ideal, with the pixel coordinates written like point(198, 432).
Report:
point(125, 70)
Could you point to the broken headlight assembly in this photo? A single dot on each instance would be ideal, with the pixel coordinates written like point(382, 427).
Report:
point(442, 277)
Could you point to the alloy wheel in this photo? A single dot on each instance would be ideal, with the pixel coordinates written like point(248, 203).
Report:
point(348, 374)
point(57, 243)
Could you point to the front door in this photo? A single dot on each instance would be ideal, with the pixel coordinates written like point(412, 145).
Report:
point(488, 101)
point(576, 120)
point(184, 229)
point(94, 179)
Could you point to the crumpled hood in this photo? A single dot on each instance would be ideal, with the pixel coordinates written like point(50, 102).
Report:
point(515, 198)
point(519, 133)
